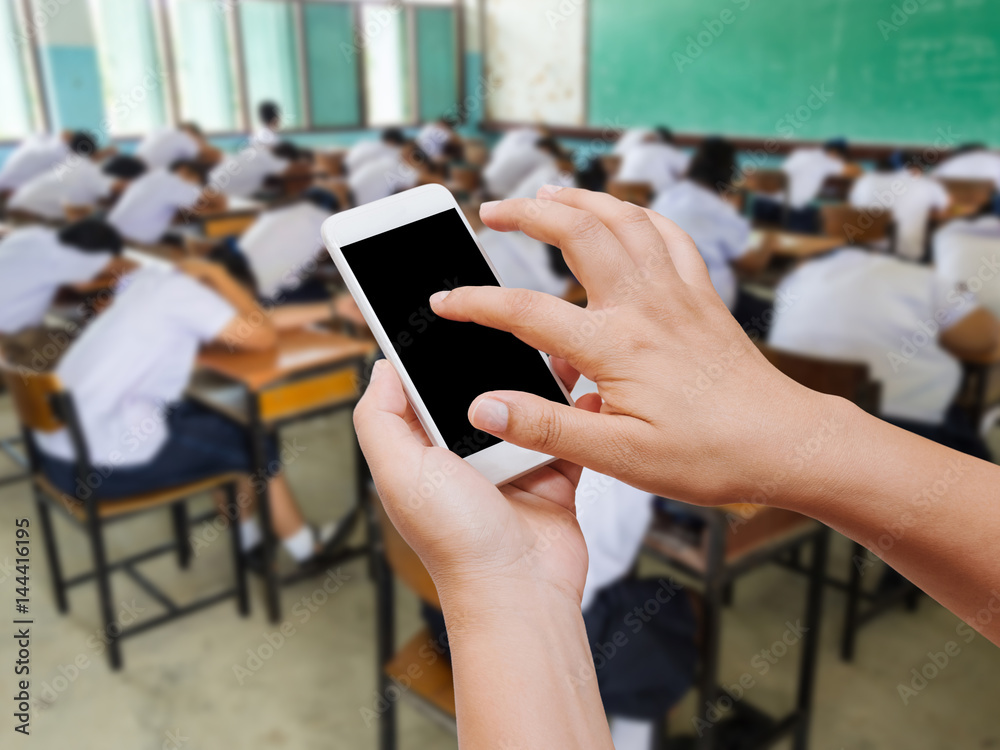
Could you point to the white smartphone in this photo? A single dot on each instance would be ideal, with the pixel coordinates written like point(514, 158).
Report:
point(393, 255)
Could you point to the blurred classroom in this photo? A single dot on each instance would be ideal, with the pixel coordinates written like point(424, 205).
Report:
point(208, 564)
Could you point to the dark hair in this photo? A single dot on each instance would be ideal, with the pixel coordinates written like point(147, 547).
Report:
point(287, 150)
point(191, 127)
point(714, 164)
point(453, 151)
point(92, 236)
point(228, 255)
point(268, 112)
point(550, 145)
point(191, 166)
point(418, 154)
point(968, 148)
point(81, 142)
point(666, 135)
point(889, 163)
point(837, 145)
point(394, 136)
point(593, 176)
point(322, 199)
point(124, 167)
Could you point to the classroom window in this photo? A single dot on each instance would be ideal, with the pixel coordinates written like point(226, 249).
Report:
point(386, 47)
point(20, 113)
point(201, 32)
point(271, 60)
point(133, 76)
point(332, 61)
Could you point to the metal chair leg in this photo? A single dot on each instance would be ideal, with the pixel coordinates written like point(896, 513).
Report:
point(810, 643)
point(850, 634)
point(52, 552)
point(239, 560)
point(179, 515)
point(112, 629)
point(386, 638)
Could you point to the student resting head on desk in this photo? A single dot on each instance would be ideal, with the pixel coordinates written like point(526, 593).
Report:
point(379, 178)
point(972, 161)
point(39, 153)
point(557, 170)
point(967, 255)
point(512, 162)
point(36, 261)
point(247, 172)
point(900, 186)
point(127, 374)
point(149, 205)
point(697, 205)
point(165, 146)
point(389, 144)
point(434, 138)
point(654, 160)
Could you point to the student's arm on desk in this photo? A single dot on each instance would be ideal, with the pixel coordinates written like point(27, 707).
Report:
point(975, 335)
point(251, 329)
point(293, 317)
point(211, 202)
point(757, 259)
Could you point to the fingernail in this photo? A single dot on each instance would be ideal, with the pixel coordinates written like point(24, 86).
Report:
point(549, 189)
point(491, 416)
point(488, 206)
point(438, 297)
point(378, 369)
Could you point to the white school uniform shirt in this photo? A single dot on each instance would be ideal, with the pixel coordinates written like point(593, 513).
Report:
point(36, 155)
point(242, 174)
point(33, 265)
point(547, 173)
point(807, 170)
point(631, 138)
point(381, 178)
point(164, 146)
point(721, 234)
point(659, 164)
point(506, 170)
point(614, 519)
point(80, 183)
point(148, 205)
point(967, 256)
point(432, 139)
point(975, 165)
point(515, 140)
point(522, 262)
point(365, 151)
point(853, 306)
point(281, 243)
point(910, 198)
point(133, 362)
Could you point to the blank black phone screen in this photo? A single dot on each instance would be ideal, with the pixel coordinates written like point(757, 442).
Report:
point(450, 363)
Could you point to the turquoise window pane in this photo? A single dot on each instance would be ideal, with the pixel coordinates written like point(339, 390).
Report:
point(436, 62)
point(271, 59)
point(333, 65)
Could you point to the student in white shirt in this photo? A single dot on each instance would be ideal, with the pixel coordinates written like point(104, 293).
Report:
point(165, 146)
point(247, 172)
point(390, 144)
point(967, 256)
point(38, 154)
point(899, 186)
point(388, 175)
point(269, 118)
point(434, 137)
point(127, 374)
point(64, 190)
point(282, 245)
point(629, 139)
point(907, 323)
point(721, 234)
point(518, 139)
point(149, 205)
point(807, 169)
point(558, 171)
point(655, 161)
point(36, 261)
point(512, 164)
point(972, 161)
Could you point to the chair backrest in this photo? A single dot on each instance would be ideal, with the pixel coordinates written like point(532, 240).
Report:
point(33, 396)
point(848, 380)
point(975, 193)
point(331, 162)
point(765, 181)
point(855, 226)
point(836, 189)
point(466, 177)
point(639, 193)
point(403, 561)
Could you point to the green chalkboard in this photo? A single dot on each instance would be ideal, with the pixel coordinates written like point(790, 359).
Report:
point(332, 55)
point(437, 70)
point(896, 71)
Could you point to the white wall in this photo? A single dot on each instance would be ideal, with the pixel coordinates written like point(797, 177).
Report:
point(535, 56)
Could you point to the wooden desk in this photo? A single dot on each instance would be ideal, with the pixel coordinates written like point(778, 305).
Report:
point(794, 245)
point(310, 373)
point(238, 215)
point(981, 387)
point(733, 541)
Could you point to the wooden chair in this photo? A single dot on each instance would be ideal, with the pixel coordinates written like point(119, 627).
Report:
point(466, 178)
point(766, 181)
point(417, 670)
point(476, 153)
point(836, 189)
point(972, 193)
point(330, 162)
point(856, 226)
point(42, 405)
point(639, 193)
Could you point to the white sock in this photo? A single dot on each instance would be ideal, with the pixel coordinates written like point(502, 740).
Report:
point(630, 734)
point(301, 545)
point(250, 534)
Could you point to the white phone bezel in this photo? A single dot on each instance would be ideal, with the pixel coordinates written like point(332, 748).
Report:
point(500, 463)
